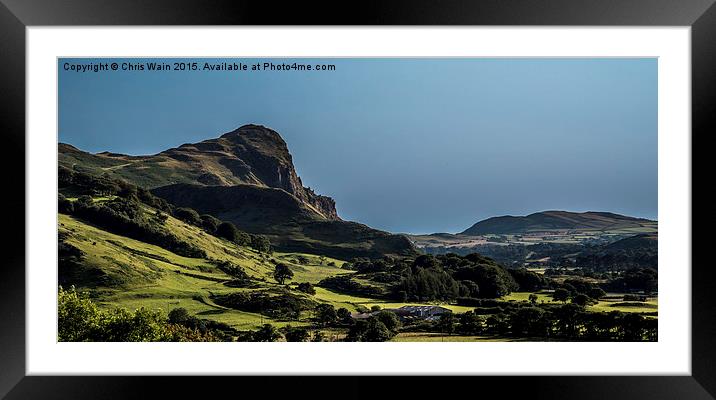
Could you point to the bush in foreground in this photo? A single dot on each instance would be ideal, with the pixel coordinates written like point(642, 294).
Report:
point(80, 320)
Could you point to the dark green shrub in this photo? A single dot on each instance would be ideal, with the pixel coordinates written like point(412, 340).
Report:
point(295, 334)
point(210, 223)
point(306, 287)
point(188, 215)
point(228, 231)
point(64, 206)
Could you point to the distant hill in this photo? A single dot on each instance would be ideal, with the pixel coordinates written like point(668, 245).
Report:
point(557, 220)
point(247, 177)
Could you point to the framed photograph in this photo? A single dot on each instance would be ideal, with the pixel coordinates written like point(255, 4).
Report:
point(496, 190)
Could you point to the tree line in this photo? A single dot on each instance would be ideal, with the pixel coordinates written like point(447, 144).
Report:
point(547, 322)
point(451, 277)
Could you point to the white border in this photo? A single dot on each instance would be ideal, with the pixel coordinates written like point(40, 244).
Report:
point(670, 355)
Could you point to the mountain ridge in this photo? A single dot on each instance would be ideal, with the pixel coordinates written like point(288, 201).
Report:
point(251, 154)
point(555, 220)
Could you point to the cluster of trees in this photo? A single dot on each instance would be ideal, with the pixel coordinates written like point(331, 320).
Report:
point(327, 316)
point(635, 279)
point(599, 255)
point(280, 305)
point(80, 320)
point(269, 333)
point(528, 281)
point(380, 327)
point(230, 232)
point(223, 229)
point(514, 254)
point(180, 316)
point(235, 271)
point(619, 259)
point(504, 254)
point(344, 284)
point(492, 280)
point(426, 284)
point(324, 316)
point(630, 280)
point(544, 322)
point(366, 266)
point(80, 183)
point(579, 291)
point(301, 259)
point(437, 278)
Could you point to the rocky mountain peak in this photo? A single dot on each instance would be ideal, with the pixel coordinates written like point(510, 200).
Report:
point(251, 154)
point(260, 138)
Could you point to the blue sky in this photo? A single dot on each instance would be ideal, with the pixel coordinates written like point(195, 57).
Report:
point(405, 145)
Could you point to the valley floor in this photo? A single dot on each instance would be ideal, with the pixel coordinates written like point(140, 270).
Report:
point(150, 277)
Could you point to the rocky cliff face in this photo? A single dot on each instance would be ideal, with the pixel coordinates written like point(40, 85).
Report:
point(251, 154)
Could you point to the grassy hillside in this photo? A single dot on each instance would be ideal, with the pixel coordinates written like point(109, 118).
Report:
point(123, 272)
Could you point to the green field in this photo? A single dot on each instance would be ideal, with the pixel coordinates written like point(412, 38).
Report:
point(648, 306)
point(524, 296)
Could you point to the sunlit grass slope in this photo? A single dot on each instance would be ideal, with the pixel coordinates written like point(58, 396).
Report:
point(133, 274)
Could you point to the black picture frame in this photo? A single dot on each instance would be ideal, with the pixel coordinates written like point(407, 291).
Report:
point(16, 15)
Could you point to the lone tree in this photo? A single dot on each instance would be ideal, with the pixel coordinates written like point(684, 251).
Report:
point(533, 298)
point(326, 314)
point(446, 323)
point(281, 273)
